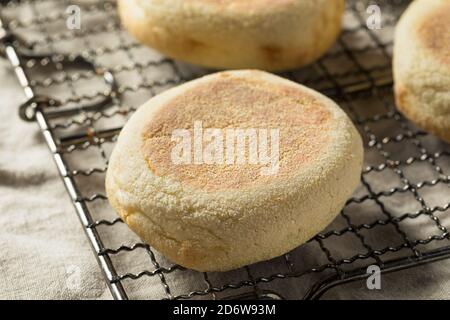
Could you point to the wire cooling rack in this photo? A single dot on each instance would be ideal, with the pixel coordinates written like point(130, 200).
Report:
point(82, 85)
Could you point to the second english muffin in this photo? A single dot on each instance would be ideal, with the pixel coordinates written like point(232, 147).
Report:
point(233, 34)
point(183, 179)
point(422, 65)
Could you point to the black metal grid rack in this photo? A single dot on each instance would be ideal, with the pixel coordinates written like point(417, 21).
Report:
point(82, 85)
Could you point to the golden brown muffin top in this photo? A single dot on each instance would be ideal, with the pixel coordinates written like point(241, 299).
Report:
point(225, 102)
point(434, 31)
point(248, 4)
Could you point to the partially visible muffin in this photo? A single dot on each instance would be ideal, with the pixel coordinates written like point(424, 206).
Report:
point(422, 66)
point(233, 34)
point(221, 213)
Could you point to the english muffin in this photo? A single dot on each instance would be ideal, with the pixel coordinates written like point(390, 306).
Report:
point(233, 34)
point(182, 179)
point(422, 65)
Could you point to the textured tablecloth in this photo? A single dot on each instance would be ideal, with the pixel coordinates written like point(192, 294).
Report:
point(44, 252)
